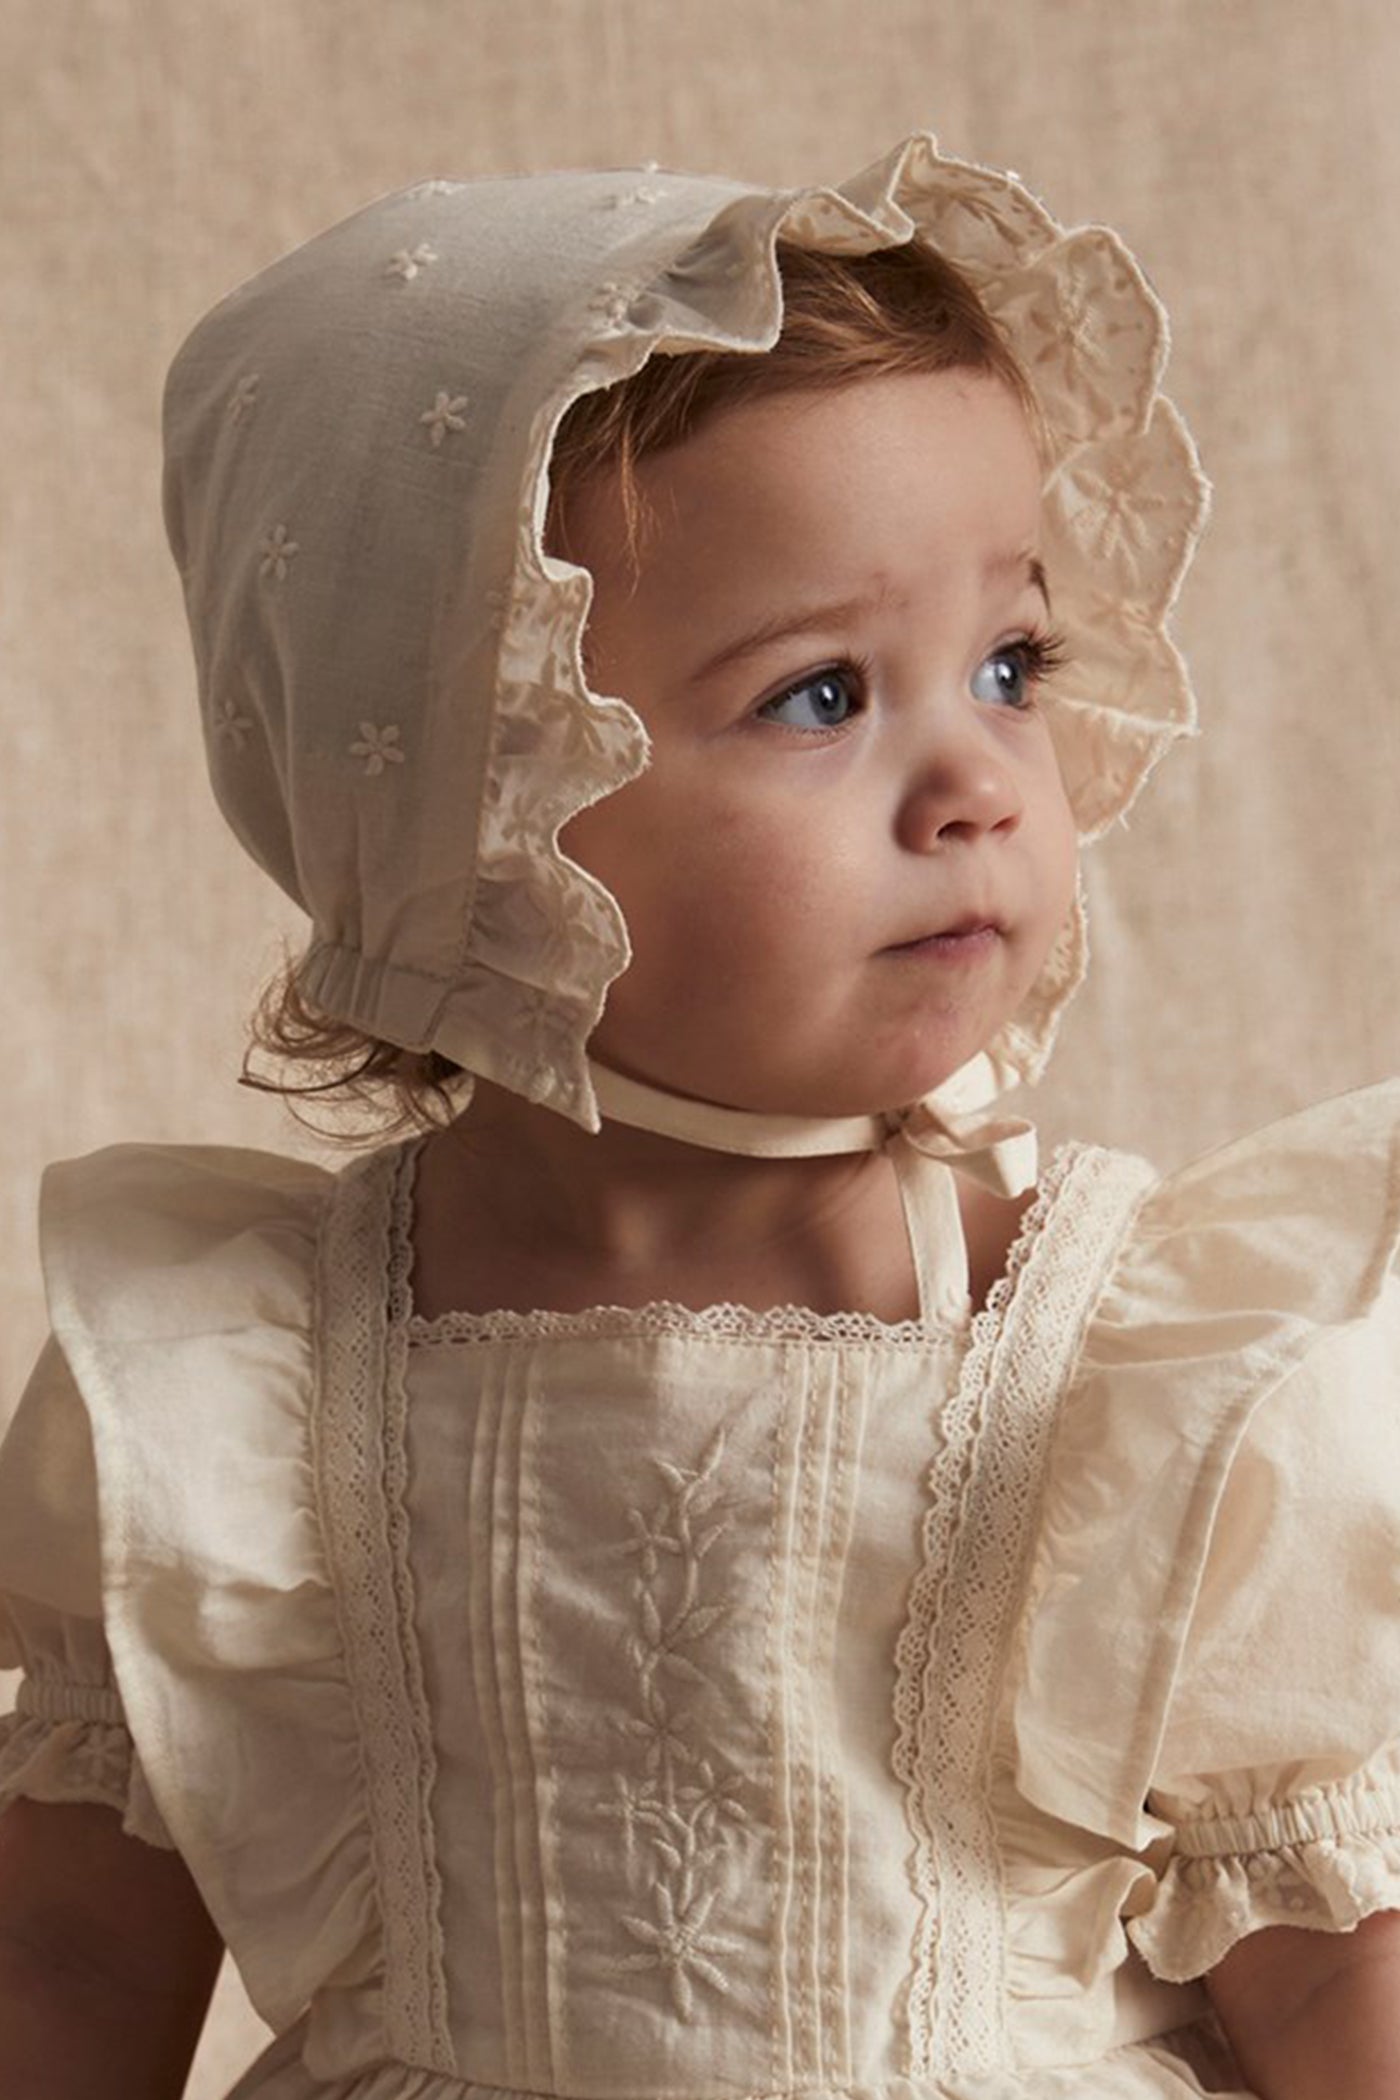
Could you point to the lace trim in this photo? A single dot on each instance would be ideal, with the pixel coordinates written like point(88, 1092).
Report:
point(48, 1759)
point(419, 1716)
point(360, 1463)
point(659, 1319)
point(1208, 1903)
point(984, 1488)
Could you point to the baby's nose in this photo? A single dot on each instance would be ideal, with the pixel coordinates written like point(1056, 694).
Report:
point(959, 792)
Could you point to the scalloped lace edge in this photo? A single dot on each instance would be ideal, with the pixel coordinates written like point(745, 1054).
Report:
point(361, 1464)
point(658, 1318)
point(984, 1488)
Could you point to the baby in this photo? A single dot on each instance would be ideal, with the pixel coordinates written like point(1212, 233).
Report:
point(705, 1568)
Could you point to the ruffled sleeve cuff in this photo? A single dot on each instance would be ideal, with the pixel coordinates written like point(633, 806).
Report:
point(70, 1742)
point(1323, 1860)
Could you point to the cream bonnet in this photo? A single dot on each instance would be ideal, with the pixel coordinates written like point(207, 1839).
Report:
point(394, 705)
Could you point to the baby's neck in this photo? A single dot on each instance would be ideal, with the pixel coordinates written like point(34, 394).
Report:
point(517, 1209)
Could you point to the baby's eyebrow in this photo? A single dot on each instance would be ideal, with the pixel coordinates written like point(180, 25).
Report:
point(1029, 565)
point(789, 626)
point(785, 627)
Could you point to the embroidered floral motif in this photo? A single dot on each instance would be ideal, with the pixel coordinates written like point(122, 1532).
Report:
point(1250, 1884)
point(1135, 624)
point(244, 398)
point(229, 725)
point(612, 303)
point(1207, 1903)
point(679, 1945)
point(378, 747)
point(1129, 512)
point(278, 553)
point(676, 1812)
point(445, 415)
point(44, 1758)
point(104, 1760)
point(645, 193)
point(990, 207)
point(408, 262)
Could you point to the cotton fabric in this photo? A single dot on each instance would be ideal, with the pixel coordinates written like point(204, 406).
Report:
point(666, 1702)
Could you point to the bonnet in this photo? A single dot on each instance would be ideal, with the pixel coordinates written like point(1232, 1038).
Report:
point(368, 423)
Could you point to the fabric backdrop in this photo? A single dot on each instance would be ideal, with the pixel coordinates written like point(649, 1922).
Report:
point(154, 152)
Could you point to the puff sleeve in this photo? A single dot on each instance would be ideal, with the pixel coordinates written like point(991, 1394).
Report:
point(1279, 1764)
point(67, 1739)
point(1213, 1663)
point(163, 1575)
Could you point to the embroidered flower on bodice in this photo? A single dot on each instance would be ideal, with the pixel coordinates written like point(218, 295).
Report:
point(244, 398)
point(229, 725)
point(378, 747)
point(676, 1810)
point(409, 261)
point(278, 552)
point(444, 416)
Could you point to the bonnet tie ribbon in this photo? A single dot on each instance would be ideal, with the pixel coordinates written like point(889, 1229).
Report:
point(951, 1124)
point(999, 1152)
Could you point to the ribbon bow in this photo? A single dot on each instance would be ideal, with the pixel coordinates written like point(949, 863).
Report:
point(1000, 1152)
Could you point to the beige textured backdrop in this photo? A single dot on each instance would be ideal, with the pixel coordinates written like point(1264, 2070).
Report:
point(153, 152)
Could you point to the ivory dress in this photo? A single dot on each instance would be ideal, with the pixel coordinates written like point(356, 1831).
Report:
point(667, 1705)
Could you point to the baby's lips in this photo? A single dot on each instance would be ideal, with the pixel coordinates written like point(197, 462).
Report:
point(954, 929)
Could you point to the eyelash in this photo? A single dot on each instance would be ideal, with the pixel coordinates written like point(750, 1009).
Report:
point(1041, 654)
point(1038, 655)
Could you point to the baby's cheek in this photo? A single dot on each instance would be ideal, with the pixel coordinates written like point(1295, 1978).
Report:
point(1058, 846)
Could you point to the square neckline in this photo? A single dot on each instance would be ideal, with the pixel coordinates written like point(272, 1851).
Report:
point(722, 1322)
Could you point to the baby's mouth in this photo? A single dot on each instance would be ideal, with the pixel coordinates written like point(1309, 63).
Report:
point(973, 934)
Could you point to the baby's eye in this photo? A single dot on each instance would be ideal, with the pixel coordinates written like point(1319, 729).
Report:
point(824, 701)
point(1010, 674)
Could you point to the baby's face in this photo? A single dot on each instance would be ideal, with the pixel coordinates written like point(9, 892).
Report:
point(852, 849)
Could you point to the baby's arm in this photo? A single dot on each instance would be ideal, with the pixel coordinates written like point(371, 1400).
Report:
point(1315, 2015)
point(107, 1958)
